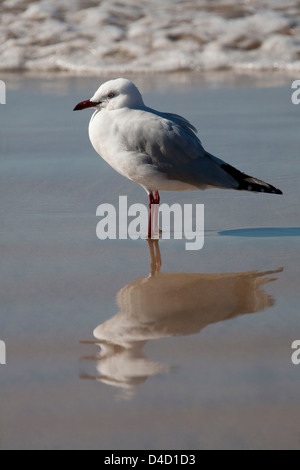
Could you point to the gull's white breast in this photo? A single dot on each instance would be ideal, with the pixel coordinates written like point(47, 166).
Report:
point(106, 132)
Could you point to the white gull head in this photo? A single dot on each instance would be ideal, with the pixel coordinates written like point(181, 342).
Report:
point(114, 94)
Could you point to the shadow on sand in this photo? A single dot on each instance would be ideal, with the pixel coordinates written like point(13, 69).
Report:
point(263, 232)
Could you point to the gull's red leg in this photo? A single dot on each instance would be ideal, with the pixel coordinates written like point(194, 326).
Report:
point(155, 229)
point(156, 201)
point(156, 197)
point(151, 201)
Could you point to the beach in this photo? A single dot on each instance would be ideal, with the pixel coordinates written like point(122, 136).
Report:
point(98, 354)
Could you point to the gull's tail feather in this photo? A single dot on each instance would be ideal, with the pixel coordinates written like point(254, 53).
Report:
point(248, 183)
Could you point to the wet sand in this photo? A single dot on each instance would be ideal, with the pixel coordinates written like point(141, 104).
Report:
point(197, 356)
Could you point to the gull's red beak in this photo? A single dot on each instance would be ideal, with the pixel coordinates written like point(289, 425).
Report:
point(86, 104)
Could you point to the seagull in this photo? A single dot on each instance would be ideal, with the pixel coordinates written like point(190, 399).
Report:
point(157, 150)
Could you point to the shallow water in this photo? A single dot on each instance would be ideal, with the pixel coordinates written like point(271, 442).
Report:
point(113, 36)
point(195, 357)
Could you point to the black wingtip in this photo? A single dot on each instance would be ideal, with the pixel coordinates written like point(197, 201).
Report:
point(270, 190)
point(248, 183)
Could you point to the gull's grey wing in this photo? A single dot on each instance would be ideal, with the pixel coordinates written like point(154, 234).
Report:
point(164, 138)
point(177, 119)
point(169, 143)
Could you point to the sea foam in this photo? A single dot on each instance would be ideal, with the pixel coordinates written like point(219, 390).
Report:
point(115, 36)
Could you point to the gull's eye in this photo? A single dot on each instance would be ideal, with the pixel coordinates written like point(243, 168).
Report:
point(111, 95)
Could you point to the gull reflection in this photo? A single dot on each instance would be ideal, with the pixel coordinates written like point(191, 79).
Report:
point(165, 305)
